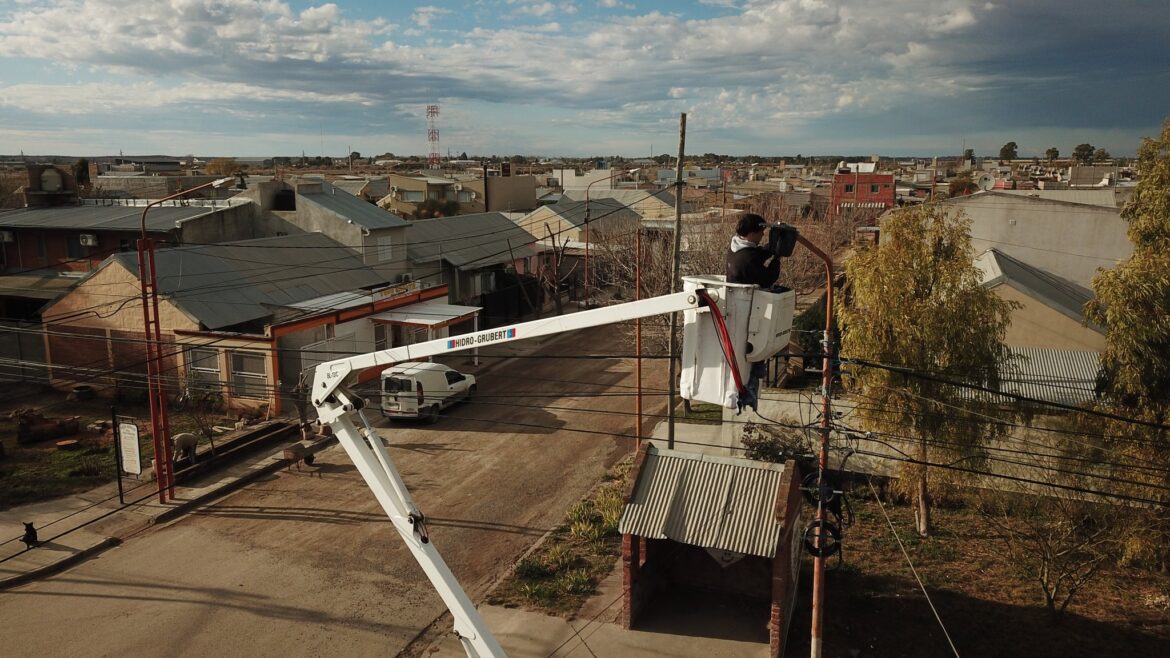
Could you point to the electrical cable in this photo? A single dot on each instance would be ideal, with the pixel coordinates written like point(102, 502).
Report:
point(912, 569)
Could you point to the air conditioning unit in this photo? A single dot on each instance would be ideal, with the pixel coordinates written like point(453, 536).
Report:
point(458, 187)
point(393, 189)
point(88, 240)
point(6, 236)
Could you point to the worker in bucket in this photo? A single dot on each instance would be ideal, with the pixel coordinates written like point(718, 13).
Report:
point(748, 262)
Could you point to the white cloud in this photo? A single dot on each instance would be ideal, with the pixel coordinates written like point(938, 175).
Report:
point(423, 16)
point(789, 60)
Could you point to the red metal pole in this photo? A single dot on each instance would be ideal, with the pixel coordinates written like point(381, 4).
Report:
point(160, 462)
point(818, 611)
point(156, 388)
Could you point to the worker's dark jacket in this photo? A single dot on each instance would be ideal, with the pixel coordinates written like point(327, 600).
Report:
point(747, 266)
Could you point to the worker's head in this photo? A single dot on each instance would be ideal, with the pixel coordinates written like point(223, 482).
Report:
point(751, 227)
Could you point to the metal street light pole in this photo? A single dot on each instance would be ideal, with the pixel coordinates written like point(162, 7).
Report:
point(159, 422)
point(587, 217)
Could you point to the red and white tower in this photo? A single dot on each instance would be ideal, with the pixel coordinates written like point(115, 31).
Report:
point(433, 158)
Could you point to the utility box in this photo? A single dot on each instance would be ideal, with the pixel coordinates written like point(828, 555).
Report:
point(759, 324)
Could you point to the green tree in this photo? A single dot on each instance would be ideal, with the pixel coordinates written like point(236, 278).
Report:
point(917, 302)
point(1083, 153)
point(1008, 151)
point(962, 185)
point(436, 208)
point(1052, 153)
point(81, 172)
point(968, 155)
point(1101, 155)
point(1132, 302)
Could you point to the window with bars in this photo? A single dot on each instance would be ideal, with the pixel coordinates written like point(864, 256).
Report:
point(203, 369)
point(249, 379)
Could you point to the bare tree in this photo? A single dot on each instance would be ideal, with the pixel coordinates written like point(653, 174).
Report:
point(1059, 543)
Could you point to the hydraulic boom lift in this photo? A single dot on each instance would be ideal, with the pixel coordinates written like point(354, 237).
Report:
point(725, 326)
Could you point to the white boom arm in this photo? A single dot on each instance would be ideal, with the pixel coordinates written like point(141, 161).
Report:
point(334, 401)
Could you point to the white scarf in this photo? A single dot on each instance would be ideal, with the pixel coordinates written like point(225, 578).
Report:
point(739, 244)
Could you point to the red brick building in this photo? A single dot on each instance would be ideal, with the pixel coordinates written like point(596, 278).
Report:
point(860, 194)
point(715, 526)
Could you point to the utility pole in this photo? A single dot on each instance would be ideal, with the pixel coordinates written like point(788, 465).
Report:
point(674, 272)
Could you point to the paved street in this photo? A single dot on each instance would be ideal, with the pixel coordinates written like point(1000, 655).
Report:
point(296, 564)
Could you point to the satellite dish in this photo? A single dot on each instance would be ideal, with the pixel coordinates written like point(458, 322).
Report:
point(986, 182)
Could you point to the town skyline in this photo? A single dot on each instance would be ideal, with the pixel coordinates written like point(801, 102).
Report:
point(576, 79)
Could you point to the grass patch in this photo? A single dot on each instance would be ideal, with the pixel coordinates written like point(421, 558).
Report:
point(564, 572)
point(701, 413)
point(33, 472)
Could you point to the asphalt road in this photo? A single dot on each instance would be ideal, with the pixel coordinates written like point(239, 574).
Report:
point(300, 565)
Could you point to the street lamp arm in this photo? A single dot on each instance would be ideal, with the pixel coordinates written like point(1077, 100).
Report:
point(218, 183)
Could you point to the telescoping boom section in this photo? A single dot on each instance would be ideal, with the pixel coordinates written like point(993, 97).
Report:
point(725, 328)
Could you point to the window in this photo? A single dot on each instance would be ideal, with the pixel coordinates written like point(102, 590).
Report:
point(385, 248)
point(123, 245)
point(203, 369)
point(74, 248)
point(413, 196)
point(849, 188)
point(464, 196)
point(248, 377)
point(433, 195)
point(873, 189)
point(381, 336)
point(453, 377)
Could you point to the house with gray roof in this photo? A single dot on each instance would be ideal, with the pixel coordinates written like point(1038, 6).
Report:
point(243, 318)
point(378, 237)
point(1050, 311)
point(466, 252)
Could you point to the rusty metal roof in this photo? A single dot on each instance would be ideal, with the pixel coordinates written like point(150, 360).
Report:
point(712, 502)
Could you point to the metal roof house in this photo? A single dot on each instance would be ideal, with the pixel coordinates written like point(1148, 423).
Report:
point(1051, 309)
point(309, 205)
point(702, 523)
point(244, 318)
point(466, 252)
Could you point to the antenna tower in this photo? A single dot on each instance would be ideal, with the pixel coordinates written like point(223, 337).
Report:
point(433, 157)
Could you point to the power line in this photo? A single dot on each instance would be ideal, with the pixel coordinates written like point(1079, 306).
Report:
point(912, 569)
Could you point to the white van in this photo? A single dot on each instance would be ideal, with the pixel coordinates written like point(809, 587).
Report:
point(422, 389)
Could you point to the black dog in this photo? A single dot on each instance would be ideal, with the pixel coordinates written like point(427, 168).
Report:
point(30, 537)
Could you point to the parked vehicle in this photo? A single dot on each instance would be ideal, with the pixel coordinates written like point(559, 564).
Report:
point(422, 390)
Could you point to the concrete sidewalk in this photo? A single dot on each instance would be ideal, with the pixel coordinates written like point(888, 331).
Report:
point(77, 527)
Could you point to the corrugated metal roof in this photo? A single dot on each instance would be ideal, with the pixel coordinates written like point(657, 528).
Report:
point(1106, 197)
point(113, 217)
point(33, 286)
point(712, 502)
point(1059, 293)
point(429, 313)
point(348, 206)
point(228, 284)
point(607, 209)
point(624, 197)
point(468, 241)
point(1064, 376)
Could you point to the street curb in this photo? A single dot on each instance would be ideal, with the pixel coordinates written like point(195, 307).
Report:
point(164, 517)
point(60, 565)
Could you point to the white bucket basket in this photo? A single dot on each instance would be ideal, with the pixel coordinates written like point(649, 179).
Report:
point(759, 324)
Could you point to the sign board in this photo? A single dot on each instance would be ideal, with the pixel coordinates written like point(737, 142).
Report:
point(131, 451)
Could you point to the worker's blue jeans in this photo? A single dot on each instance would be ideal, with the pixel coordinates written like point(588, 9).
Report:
point(751, 396)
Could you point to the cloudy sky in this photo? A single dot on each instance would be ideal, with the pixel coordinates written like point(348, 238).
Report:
point(580, 77)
